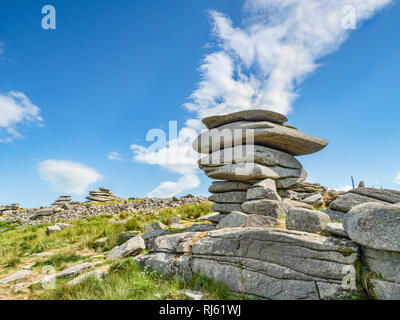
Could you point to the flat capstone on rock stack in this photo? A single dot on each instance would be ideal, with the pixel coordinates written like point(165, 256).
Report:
point(101, 195)
point(251, 154)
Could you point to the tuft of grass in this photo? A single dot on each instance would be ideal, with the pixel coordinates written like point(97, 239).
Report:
point(195, 211)
point(137, 223)
point(215, 289)
point(16, 244)
point(59, 260)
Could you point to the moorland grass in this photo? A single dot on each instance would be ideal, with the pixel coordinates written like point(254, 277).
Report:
point(126, 280)
point(17, 244)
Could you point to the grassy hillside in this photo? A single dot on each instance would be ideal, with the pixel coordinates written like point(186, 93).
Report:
point(89, 240)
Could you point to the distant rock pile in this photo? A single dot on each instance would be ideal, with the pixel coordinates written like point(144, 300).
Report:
point(9, 208)
point(77, 210)
point(252, 154)
point(62, 201)
point(102, 195)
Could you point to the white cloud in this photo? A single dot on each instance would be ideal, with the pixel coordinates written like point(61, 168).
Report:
point(344, 188)
point(1, 48)
point(115, 156)
point(397, 179)
point(262, 64)
point(169, 188)
point(67, 176)
point(176, 156)
point(259, 65)
point(16, 109)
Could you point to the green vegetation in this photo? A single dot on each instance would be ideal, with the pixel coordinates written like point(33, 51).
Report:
point(17, 245)
point(59, 260)
point(127, 281)
point(86, 238)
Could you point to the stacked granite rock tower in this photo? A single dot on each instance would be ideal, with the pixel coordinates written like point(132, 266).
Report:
point(101, 195)
point(62, 200)
point(252, 155)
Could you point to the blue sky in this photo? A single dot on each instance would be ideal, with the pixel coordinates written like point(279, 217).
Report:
point(111, 71)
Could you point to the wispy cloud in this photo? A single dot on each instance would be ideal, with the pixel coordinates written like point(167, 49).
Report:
point(397, 179)
point(16, 110)
point(261, 63)
point(115, 156)
point(176, 156)
point(67, 176)
point(169, 188)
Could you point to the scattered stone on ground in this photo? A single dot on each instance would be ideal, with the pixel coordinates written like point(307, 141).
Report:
point(130, 248)
point(158, 225)
point(57, 227)
point(192, 295)
point(306, 220)
point(69, 272)
point(15, 276)
point(96, 273)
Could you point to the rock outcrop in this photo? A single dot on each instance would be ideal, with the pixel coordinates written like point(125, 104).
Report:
point(252, 153)
point(78, 210)
point(102, 195)
point(62, 201)
point(269, 263)
point(344, 203)
point(376, 227)
point(129, 248)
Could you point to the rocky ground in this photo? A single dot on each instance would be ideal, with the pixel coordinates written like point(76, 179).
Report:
point(74, 210)
point(82, 241)
point(298, 255)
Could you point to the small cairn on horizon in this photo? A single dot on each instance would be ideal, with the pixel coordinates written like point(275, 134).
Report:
point(251, 154)
point(62, 201)
point(102, 195)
